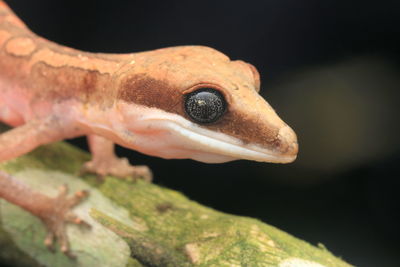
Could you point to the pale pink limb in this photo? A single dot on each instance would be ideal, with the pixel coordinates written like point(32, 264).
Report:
point(54, 212)
point(105, 162)
point(25, 138)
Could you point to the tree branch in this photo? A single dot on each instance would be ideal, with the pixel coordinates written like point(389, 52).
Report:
point(140, 224)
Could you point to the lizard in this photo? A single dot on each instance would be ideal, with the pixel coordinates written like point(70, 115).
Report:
point(178, 102)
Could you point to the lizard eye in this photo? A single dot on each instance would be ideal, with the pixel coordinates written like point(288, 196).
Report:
point(205, 105)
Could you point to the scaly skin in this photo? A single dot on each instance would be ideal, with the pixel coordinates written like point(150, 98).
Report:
point(50, 92)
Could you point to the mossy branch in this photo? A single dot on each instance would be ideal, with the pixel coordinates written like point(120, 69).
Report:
point(140, 224)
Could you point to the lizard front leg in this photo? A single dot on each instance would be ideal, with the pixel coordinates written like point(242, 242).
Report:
point(25, 138)
point(53, 212)
point(105, 162)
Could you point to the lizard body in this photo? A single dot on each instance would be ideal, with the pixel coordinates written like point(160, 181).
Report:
point(179, 102)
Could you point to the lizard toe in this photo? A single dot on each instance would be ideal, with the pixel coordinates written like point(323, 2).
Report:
point(58, 215)
point(118, 167)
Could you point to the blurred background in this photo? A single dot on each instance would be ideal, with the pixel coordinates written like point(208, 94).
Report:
point(330, 69)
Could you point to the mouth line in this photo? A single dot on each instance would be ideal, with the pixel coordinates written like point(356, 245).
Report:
point(222, 144)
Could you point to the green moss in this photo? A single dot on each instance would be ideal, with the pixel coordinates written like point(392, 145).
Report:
point(134, 263)
point(165, 228)
point(146, 249)
point(218, 238)
point(92, 247)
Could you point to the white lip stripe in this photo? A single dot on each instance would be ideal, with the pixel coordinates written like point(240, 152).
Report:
point(159, 133)
point(223, 144)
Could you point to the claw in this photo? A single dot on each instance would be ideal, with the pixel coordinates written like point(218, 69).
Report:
point(77, 198)
point(72, 218)
point(81, 194)
point(67, 252)
point(49, 241)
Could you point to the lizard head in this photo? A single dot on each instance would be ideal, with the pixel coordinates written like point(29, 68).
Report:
point(194, 102)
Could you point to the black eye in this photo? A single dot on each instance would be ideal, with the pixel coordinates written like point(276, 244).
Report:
point(205, 105)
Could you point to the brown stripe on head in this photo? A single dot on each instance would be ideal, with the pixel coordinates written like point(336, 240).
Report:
point(252, 123)
point(162, 78)
point(247, 128)
point(251, 119)
point(144, 90)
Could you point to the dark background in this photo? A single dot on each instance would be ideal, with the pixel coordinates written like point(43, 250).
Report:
point(330, 69)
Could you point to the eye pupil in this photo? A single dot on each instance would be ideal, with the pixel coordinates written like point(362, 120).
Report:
point(205, 105)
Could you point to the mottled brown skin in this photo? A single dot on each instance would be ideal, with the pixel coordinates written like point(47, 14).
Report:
point(38, 76)
point(156, 79)
point(44, 72)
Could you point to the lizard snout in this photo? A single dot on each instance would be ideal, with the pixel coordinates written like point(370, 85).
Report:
point(288, 145)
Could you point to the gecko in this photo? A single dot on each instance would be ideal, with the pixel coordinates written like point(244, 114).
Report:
point(178, 102)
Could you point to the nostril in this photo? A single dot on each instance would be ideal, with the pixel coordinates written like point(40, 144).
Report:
point(294, 148)
point(288, 140)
